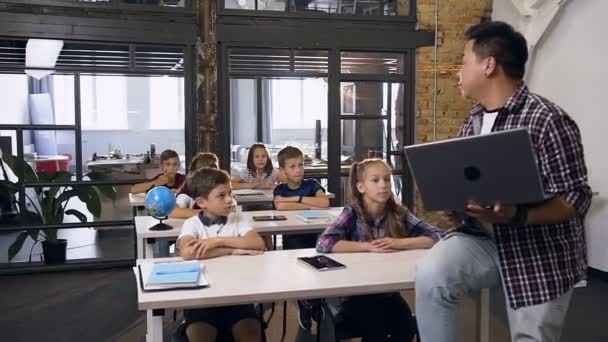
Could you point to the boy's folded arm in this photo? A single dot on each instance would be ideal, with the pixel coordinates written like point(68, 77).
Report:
point(291, 206)
point(185, 247)
point(251, 240)
point(320, 200)
point(215, 252)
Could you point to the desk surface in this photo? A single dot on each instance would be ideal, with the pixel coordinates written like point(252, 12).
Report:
point(277, 275)
point(291, 225)
point(244, 196)
point(138, 200)
point(43, 158)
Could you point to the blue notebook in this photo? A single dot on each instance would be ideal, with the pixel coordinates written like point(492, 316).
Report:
point(312, 216)
point(175, 273)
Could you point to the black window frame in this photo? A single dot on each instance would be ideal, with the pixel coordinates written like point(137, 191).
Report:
point(190, 140)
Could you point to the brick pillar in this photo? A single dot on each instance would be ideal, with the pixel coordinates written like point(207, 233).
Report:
point(207, 78)
point(455, 16)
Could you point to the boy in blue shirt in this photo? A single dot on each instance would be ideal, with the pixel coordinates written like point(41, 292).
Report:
point(299, 194)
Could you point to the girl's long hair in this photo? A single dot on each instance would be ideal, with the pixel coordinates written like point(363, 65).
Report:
point(268, 168)
point(394, 213)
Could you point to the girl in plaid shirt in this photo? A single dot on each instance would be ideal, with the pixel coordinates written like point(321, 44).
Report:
point(375, 222)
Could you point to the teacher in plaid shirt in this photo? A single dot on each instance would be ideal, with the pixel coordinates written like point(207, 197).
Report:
point(535, 253)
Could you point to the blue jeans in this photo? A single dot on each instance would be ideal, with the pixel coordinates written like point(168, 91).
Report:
point(461, 265)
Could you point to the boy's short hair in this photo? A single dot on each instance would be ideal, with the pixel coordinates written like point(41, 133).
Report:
point(204, 180)
point(168, 154)
point(289, 152)
point(204, 159)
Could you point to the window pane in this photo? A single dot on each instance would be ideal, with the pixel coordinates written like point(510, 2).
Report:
point(50, 151)
point(103, 101)
point(370, 98)
point(240, 4)
point(166, 102)
point(352, 7)
point(243, 117)
point(160, 3)
point(150, 112)
point(372, 63)
point(15, 107)
point(63, 99)
point(362, 139)
point(295, 108)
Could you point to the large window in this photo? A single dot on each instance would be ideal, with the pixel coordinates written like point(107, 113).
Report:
point(279, 106)
point(102, 110)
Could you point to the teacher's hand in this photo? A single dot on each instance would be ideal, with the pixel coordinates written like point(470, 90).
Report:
point(498, 213)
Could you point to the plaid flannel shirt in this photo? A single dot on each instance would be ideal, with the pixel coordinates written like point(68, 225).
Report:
point(349, 226)
point(541, 262)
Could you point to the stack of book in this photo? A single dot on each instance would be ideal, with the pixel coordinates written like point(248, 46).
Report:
point(172, 275)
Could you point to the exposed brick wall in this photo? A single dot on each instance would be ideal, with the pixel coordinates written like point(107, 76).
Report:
point(455, 16)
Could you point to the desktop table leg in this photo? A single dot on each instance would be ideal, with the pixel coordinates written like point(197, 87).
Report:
point(149, 252)
point(155, 325)
point(484, 315)
point(140, 247)
point(284, 320)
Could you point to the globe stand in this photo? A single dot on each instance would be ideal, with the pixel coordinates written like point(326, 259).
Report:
point(161, 225)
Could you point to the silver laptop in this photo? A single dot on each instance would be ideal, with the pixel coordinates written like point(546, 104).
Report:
point(499, 166)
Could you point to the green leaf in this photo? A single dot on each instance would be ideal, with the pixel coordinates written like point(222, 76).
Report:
point(33, 233)
point(108, 191)
point(15, 164)
point(66, 195)
point(44, 176)
point(51, 234)
point(15, 247)
point(59, 176)
point(89, 196)
point(80, 216)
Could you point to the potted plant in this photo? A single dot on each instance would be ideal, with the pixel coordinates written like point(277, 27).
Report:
point(48, 205)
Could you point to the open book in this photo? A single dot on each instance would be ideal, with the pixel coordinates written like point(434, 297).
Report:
point(171, 275)
point(311, 216)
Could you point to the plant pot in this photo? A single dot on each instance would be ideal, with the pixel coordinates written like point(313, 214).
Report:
point(54, 251)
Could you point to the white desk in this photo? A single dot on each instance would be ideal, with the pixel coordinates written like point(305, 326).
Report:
point(137, 200)
point(277, 275)
point(147, 237)
point(243, 196)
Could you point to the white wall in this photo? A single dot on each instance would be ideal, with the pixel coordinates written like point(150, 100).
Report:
point(569, 67)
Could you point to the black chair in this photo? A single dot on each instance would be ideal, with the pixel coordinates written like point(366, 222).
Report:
point(341, 330)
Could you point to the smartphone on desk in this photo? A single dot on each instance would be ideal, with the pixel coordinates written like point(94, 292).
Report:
point(321, 263)
point(270, 218)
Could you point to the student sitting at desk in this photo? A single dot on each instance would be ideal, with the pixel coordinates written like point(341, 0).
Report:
point(297, 194)
point(375, 222)
point(260, 173)
point(186, 207)
point(216, 232)
point(169, 164)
